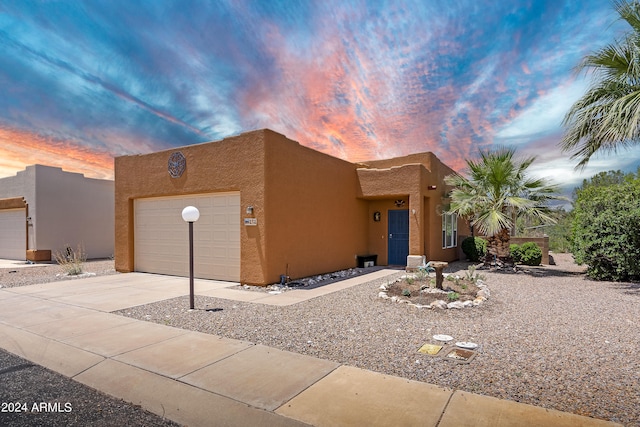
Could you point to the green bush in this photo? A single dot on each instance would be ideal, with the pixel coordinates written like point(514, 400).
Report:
point(530, 254)
point(474, 248)
point(516, 253)
point(606, 230)
point(527, 253)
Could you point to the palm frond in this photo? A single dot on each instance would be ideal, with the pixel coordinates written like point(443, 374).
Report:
point(607, 117)
point(498, 190)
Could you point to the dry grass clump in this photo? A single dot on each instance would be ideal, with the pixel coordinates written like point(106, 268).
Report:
point(72, 261)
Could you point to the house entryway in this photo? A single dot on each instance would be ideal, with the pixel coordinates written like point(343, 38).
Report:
point(398, 232)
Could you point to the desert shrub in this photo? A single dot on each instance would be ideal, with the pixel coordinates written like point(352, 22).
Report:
point(422, 273)
point(530, 254)
point(516, 253)
point(472, 276)
point(474, 248)
point(606, 230)
point(527, 253)
point(71, 260)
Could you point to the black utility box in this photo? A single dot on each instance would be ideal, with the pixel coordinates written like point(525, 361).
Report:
point(362, 259)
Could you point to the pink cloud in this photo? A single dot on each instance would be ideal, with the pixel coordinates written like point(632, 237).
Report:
point(21, 149)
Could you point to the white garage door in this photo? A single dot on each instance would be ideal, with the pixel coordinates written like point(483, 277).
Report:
point(13, 234)
point(161, 237)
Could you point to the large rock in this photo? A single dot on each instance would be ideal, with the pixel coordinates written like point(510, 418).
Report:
point(439, 304)
point(455, 304)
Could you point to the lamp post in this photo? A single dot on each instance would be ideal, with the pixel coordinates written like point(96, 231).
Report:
point(190, 214)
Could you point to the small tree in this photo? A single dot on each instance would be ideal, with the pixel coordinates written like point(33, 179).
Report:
point(606, 229)
point(497, 191)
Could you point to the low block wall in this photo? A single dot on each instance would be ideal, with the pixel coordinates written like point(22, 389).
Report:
point(542, 242)
point(39, 255)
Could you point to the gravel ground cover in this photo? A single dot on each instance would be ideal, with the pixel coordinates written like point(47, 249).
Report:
point(547, 336)
point(58, 400)
point(50, 272)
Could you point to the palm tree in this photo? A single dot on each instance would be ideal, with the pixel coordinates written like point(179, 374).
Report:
point(497, 191)
point(607, 117)
point(466, 197)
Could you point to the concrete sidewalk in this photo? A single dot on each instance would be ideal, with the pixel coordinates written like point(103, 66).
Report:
point(205, 380)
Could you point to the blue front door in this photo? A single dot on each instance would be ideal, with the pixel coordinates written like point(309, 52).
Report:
point(398, 247)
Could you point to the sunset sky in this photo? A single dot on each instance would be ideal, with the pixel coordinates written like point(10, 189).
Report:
point(84, 81)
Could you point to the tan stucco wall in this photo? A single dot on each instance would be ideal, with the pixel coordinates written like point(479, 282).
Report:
point(314, 212)
point(309, 220)
point(424, 159)
point(316, 222)
point(233, 164)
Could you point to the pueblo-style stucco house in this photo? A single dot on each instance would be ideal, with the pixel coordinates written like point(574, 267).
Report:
point(271, 207)
point(44, 210)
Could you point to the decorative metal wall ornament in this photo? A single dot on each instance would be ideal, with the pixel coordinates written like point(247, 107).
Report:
point(177, 164)
point(399, 203)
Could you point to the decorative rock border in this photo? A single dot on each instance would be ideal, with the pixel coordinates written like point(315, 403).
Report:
point(308, 282)
point(75, 276)
point(481, 296)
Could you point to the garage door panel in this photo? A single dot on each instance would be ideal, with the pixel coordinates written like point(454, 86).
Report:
point(220, 236)
point(13, 234)
point(220, 253)
point(221, 202)
point(220, 219)
point(161, 236)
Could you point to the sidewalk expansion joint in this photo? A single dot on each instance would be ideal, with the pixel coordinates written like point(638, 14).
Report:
point(444, 409)
point(308, 387)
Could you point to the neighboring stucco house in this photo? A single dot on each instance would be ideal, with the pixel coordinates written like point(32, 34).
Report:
point(44, 209)
point(271, 207)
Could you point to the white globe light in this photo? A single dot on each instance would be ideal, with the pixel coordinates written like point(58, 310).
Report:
point(190, 214)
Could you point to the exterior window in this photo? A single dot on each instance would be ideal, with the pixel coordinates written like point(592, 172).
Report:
point(449, 231)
